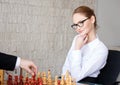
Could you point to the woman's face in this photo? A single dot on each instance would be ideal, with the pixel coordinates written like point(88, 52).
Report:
point(82, 24)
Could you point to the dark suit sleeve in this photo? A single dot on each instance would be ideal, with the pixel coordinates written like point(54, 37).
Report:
point(7, 62)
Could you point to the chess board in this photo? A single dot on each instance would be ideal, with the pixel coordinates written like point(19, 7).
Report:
point(42, 78)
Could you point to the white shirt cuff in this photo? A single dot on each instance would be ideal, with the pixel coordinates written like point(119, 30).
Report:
point(18, 63)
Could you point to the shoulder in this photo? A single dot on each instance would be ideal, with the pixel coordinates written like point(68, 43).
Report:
point(101, 47)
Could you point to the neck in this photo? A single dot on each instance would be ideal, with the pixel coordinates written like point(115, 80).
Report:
point(91, 36)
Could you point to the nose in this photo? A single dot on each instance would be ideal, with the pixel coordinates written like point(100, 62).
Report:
point(79, 29)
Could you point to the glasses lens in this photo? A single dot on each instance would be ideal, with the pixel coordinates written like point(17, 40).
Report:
point(74, 26)
point(80, 24)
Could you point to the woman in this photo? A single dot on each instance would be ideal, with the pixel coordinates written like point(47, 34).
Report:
point(87, 54)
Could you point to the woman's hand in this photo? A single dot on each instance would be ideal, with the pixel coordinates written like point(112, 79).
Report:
point(80, 41)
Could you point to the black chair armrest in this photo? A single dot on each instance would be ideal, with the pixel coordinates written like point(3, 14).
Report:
point(117, 83)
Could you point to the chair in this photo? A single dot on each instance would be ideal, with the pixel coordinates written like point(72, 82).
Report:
point(108, 75)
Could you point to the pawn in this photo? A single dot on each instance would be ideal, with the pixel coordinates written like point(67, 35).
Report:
point(62, 80)
point(44, 79)
point(74, 82)
point(70, 80)
point(9, 82)
point(16, 80)
point(26, 80)
point(33, 80)
point(39, 80)
point(49, 77)
point(56, 80)
point(21, 80)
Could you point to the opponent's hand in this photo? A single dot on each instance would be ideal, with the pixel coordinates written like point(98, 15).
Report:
point(29, 66)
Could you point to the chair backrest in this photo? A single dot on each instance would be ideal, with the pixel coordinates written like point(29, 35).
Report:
point(110, 72)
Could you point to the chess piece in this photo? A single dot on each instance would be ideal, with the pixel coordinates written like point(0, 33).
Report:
point(67, 74)
point(1, 76)
point(67, 77)
point(30, 81)
point(56, 80)
point(39, 80)
point(62, 80)
point(0, 80)
point(70, 80)
point(21, 80)
point(74, 81)
point(15, 80)
point(26, 79)
point(44, 79)
point(49, 80)
point(9, 82)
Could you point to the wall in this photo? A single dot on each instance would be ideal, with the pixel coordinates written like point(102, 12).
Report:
point(108, 18)
point(38, 30)
point(109, 23)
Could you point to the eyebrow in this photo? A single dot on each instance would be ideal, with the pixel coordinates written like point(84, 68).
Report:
point(79, 21)
point(82, 20)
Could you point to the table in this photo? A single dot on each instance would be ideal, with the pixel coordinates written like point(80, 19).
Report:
point(5, 83)
point(87, 84)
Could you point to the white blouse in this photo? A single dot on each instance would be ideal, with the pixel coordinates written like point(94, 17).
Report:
point(87, 61)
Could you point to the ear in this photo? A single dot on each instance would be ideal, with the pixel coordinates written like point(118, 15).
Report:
point(92, 19)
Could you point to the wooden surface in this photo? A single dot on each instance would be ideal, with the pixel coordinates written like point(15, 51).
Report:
point(1, 76)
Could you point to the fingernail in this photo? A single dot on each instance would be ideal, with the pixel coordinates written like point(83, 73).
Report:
point(33, 74)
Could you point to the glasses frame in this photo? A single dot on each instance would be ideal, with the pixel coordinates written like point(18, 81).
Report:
point(79, 24)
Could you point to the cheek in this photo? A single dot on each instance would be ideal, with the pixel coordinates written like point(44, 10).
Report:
point(87, 27)
point(77, 31)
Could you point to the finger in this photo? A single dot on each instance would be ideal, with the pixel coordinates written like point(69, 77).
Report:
point(34, 68)
point(82, 36)
point(86, 39)
point(29, 70)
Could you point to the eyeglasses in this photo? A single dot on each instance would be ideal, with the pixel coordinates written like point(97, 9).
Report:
point(80, 24)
